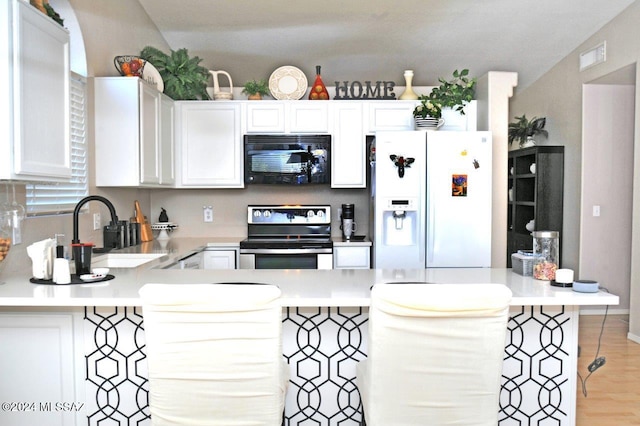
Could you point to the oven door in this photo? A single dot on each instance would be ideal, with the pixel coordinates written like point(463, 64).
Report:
point(286, 259)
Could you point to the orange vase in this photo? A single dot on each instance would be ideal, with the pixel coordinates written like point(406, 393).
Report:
point(318, 90)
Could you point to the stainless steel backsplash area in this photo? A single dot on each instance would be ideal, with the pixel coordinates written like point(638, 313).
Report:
point(184, 207)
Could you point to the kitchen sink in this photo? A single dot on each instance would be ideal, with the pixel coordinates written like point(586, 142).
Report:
point(124, 260)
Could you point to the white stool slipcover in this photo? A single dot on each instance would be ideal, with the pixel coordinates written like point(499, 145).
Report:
point(214, 353)
point(435, 354)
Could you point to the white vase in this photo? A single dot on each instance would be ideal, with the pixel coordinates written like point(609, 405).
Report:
point(408, 93)
point(529, 142)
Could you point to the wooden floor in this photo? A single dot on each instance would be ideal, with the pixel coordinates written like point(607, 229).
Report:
point(613, 390)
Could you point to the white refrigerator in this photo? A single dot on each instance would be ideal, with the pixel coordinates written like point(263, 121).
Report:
point(431, 199)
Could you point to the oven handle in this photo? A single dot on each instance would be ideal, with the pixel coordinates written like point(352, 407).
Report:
point(287, 251)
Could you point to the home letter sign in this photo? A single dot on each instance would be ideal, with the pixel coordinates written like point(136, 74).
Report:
point(357, 91)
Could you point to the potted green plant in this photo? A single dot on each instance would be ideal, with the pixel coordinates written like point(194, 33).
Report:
point(183, 77)
point(256, 89)
point(523, 130)
point(455, 94)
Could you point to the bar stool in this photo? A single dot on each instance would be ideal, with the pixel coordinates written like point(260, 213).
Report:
point(214, 354)
point(435, 354)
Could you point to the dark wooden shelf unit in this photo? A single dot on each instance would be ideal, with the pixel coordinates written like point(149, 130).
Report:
point(535, 196)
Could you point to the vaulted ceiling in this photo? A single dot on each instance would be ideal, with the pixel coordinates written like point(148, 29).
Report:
point(378, 39)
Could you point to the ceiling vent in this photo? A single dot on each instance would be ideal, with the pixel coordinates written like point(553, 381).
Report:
point(593, 56)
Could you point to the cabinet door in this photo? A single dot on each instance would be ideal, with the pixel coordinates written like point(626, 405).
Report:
point(42, 144)
point(38, 365)
point(265, 117)
point(219, 259)
point(347, 146)
point(167, 146)
point(396, 115)
point(149, 135)
point(210, 145)
point(309, 117)
point(351, 257)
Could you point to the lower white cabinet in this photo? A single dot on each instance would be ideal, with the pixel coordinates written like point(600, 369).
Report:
point(41, 368)
point(351, 257)
point(209, 141)
point(34, 82)
point(134, 133)
point(219, 259)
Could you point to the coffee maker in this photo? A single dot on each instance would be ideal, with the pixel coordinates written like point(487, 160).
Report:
point(347, 223)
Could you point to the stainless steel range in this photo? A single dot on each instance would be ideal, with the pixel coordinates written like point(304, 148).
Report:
point(287, 237)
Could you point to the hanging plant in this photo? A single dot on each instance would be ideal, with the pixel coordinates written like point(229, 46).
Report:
point(183, 77)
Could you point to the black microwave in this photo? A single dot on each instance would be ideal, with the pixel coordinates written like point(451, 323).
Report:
point(287, 159)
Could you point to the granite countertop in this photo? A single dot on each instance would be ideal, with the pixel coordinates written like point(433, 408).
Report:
point(326, 288)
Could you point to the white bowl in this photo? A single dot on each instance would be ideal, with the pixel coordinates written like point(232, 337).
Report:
point(100, 271)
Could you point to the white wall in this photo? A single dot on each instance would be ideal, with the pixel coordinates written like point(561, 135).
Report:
point(558, 96)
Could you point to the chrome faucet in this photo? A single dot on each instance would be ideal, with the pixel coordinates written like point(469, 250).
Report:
point(76, 211)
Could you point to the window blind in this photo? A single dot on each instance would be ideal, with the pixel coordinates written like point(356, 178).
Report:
point(56, 198)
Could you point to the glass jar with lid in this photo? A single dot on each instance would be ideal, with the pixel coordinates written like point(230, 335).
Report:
point(546, 251)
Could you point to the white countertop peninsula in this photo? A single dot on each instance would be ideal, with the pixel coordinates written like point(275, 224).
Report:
point(94, 337)
point(329, 288)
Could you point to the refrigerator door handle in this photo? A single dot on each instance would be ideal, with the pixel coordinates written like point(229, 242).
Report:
point(431, 233)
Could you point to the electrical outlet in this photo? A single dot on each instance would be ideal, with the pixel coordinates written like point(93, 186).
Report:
point(207, 212)
point(96, 221)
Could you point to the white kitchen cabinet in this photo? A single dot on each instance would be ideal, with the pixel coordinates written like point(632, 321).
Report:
point(348, 146)
point(309, 117)
point(385, 115)
point(134, 139)
point(263, 117)
point(40, 366)
point(209, 145)
point(219, 259)
point(351, 257)
point(167, 163)
point(34, 81)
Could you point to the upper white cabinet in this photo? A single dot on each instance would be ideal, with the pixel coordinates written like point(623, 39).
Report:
point(264, 116)
point(167, 170)
point(309, 117)
point(134, 133)
point(286, 116)
point(34, 81)
point(348, 146)
point(209, 140)
point(395, 115)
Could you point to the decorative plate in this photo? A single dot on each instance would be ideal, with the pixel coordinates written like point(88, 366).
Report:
point(287, 83)
point(150, 74)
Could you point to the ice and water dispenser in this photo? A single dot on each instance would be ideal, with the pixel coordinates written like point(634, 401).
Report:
point(399, 221)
